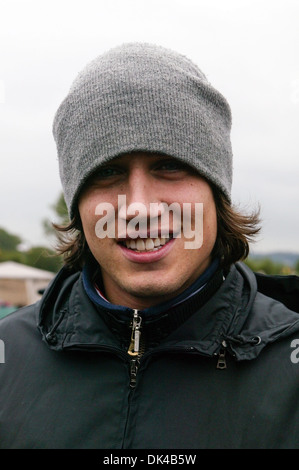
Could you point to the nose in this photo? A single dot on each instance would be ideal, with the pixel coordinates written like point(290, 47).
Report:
point(139, 194)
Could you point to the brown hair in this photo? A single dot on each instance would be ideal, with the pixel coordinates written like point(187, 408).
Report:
point(235, 231)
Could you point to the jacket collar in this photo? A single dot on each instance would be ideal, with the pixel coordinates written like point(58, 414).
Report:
point(224, 311)
point(68, 316)
point(92, 275)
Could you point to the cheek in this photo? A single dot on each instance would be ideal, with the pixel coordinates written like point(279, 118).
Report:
point(94, 204)
point(210, 218)
point(88, 218)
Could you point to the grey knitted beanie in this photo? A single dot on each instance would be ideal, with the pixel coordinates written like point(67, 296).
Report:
point(144, 97)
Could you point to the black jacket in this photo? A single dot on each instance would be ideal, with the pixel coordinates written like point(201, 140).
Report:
point(68, 381)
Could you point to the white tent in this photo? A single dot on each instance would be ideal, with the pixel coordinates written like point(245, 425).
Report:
point(20, 284)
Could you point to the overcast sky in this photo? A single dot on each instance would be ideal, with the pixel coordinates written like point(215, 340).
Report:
point(248, 49)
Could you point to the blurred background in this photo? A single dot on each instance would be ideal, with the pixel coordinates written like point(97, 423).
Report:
point(248, 49)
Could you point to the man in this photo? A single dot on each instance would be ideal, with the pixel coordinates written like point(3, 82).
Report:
point(154, 334)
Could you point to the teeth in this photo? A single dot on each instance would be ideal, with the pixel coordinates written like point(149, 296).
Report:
point(140, 245)
point(147, 244)
point(130, 244)
point(157, 242)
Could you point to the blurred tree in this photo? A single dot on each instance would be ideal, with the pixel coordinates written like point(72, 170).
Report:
point(48, 259)
point(39, 256)
point(42, 258)
point(60, 215)
point(12, 255)
point(265, 265)
point(8, 241)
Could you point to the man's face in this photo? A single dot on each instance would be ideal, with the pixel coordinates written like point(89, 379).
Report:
point(148, 270)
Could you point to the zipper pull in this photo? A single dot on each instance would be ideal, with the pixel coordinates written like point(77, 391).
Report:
point(135, 335)
point(133, 372)
point(221, 363)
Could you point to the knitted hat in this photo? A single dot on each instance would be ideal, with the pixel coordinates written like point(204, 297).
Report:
point(142, 97)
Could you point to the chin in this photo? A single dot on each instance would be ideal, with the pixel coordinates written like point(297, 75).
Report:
point(153, 291)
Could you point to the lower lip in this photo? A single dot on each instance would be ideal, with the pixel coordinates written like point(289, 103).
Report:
point(147, 256)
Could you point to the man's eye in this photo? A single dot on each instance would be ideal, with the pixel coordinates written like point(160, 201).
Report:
point(172, 166)
point(107, 172)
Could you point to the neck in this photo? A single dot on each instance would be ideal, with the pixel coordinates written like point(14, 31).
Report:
point(149, 288)
point(153, 305)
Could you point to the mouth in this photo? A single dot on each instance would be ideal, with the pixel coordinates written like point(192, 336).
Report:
point(141, 245)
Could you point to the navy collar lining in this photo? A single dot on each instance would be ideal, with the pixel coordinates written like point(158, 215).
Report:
point(88, 275)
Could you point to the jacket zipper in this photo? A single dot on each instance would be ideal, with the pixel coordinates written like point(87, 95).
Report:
point(221, 363)
point(136, 347)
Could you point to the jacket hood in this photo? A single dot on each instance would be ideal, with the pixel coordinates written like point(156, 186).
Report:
point(265, 319)
point(236, 316)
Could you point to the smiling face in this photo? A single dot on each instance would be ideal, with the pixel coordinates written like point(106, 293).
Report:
point(145, 271)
